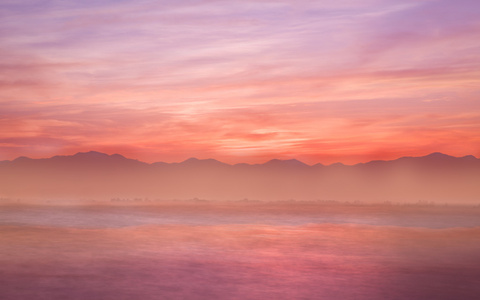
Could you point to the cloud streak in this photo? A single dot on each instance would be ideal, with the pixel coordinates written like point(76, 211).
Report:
point(240, 81)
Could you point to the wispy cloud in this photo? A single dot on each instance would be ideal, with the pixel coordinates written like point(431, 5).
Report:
point(240, 80)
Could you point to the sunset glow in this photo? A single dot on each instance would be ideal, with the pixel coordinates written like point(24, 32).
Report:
point(240, 81)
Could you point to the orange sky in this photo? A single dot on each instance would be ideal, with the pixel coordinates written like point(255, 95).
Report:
point(240, 81)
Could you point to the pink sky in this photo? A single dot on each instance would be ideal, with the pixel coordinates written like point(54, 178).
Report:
point(240, 81)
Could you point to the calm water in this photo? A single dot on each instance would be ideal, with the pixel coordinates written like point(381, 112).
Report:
point(239, 252)
point(106, 216)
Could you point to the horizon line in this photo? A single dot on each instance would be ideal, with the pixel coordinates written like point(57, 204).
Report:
point(242, 163)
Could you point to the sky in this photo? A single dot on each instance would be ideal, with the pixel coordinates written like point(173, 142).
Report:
point(240, 81)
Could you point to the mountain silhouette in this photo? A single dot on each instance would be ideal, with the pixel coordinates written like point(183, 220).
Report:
point(434, 177)
point(289, 163)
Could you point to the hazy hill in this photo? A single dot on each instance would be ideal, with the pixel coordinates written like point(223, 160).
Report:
point(435, 177)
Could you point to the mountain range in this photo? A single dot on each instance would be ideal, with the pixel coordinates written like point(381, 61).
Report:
point(434, 177)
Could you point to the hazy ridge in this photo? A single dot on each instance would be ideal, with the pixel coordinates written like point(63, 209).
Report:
point(435, 177)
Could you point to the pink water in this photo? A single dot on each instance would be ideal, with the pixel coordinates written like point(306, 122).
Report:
point(220, 260)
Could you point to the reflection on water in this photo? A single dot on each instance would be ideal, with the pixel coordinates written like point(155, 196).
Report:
point(242, 252)
point(213, 214)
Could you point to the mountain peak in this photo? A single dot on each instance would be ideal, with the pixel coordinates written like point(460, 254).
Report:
point(286, 162)
point(90, 154)
point(196, 161)
point(438, 155)
point(96, 155)
point(22, 158)
point(191, 160)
